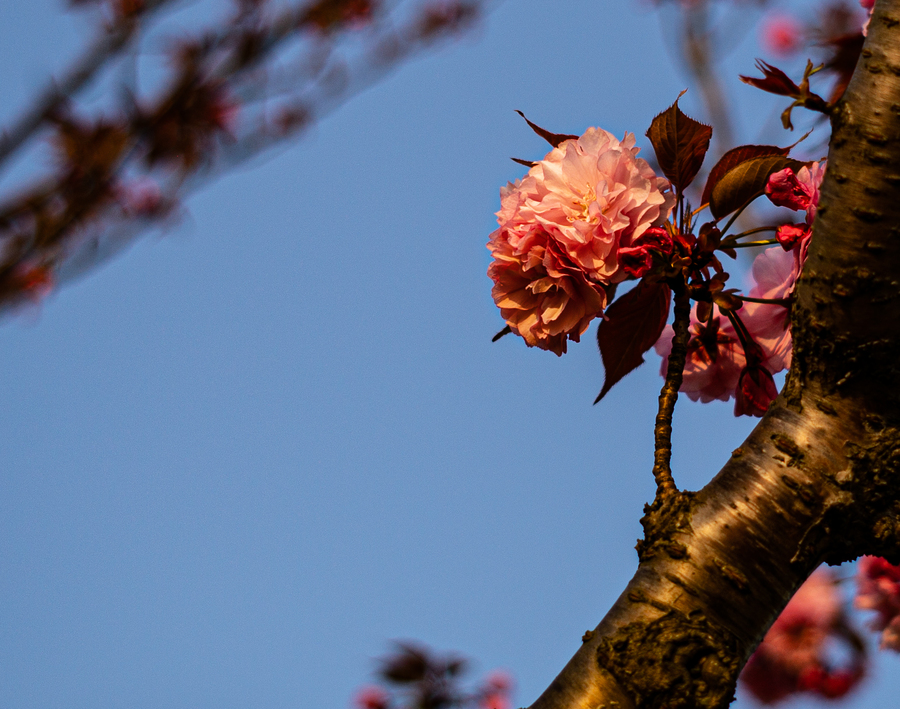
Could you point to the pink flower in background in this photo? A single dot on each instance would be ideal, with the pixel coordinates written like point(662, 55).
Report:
point(878, 589)
point(794, 655)
point(371, 697)
point(561, 228)
point(496, 691)
point(781, 34)
point(715, 358)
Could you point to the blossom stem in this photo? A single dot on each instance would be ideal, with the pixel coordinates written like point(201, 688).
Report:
point(734, 217)
point(731, 241)
point(662, 454)
point(747, 244)
point(785, 302)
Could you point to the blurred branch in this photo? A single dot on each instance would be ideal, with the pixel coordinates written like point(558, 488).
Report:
point(109, 45)
point(120, 171)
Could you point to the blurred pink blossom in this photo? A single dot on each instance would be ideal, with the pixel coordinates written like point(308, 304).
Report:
point(878, 589)
point(371, 697)
point(781, 34)
point(794, 655)
point(561, 228)
point(715, 358)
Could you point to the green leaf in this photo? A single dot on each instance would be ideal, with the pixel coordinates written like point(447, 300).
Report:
point(745, 182)
point(680, 143)
point(632, 325)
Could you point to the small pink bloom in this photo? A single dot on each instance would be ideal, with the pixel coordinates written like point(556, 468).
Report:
point(799, 191)
point(774, 273)
point(785, 190)
point(499, 681)
point(33, 281)
point(561, 229)
point(782, 34)
point(715, 358)
point(878, 589)
point(789, 235)
point(541, 294)
point(371, 697)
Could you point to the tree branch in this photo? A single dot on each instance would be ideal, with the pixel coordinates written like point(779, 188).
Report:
point(819, 477)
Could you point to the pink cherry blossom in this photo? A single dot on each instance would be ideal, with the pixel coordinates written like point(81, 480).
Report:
point(774, 273)
point(717, 366)
point(715, 358)
point(789, 235)
point(781, 34)
point(542, 295)
point(878, 589)
point(561, 229)
point(794, 655)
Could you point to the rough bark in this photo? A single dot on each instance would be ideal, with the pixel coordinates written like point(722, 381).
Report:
point(817, 480)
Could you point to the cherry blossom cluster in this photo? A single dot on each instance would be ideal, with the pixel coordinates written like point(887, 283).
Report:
point(737, 357)
point(414, 677)
point(798, 654)
point(878, 589)
point(812, 647)
point(587, 216)
point(592, 214)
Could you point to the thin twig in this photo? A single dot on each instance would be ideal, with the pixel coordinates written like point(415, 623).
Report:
point(747, 244)
point(668, 396)
point(94, 59)
point(784, 302)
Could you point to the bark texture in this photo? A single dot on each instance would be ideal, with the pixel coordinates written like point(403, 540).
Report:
point(817, 480)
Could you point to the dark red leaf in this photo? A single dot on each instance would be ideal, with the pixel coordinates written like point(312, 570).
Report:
point(774, 81)
point(680, 143)
point(735, 157)
point(409, 663)
point(553, 138)
point(633, 325)
point(745, 182)
point(526, 163)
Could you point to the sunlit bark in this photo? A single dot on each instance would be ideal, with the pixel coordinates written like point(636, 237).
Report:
point(816, 481)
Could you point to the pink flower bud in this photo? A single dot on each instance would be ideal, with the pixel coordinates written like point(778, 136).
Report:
point(755, 391)
point(789, 235)
point(785, 190)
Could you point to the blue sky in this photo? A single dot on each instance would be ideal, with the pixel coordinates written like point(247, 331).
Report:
point(244, 455)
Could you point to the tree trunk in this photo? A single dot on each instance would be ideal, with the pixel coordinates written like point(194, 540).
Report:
point(817, 480)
